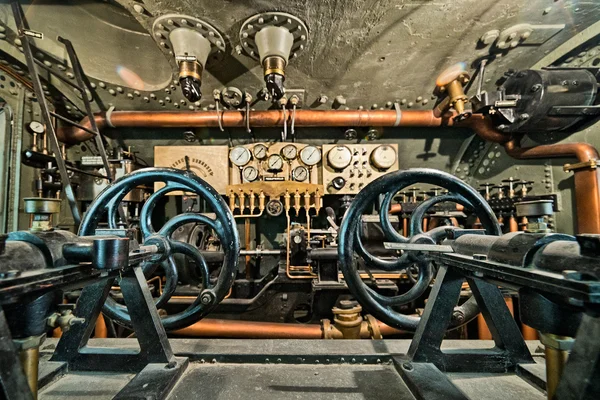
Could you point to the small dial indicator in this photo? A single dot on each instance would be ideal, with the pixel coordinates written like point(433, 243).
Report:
point(339, 157)
point(383, 157)
point(260, 151)
point(250, 173)
point(275, 162)
point(310, 155)
point(300, 174)
point(36, 127)
point(289, 152)
point(240, 156)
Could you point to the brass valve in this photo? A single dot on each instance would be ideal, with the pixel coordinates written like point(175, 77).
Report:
point(451, 82)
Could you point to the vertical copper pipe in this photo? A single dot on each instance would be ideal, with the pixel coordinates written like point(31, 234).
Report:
point(587, 186)
point(512, 224)
point(247, 243)
point(528, 332)
point(100, 330)
point(482, 327)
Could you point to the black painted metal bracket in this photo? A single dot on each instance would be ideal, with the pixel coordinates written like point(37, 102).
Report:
point(158, 369)
point(422, 368)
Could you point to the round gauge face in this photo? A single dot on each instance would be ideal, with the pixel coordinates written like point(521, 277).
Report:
point(240, 156)
point(36, 127)
point(250, 174)
point(300, 174)
point(339, 157)
point(310, 155)
point(289, 152)
point(275, 162)
point(260, 151)
point(383, 157)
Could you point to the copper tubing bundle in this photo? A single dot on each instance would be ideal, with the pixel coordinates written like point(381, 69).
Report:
point(275, 118)
point(261, 330)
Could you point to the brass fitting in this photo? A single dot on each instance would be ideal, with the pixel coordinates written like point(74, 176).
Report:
point(191, 69)
point(349, 324)
point(556, 351)
point(274, 65)
point(41, 210)
point(29, 355)
point(451, 82)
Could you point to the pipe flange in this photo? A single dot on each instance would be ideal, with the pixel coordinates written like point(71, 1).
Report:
point(162, 27)
point(254, 24)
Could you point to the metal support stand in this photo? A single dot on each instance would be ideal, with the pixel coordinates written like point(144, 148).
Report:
point(425, 361)
point(158, 369)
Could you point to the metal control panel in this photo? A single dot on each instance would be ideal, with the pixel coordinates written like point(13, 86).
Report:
point(349, 168)
point(275, 162)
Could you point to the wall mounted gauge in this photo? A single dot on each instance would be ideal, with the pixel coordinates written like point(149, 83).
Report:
point(36, 127)
point(383, 157)
point(260, 151)
point(300, 174)
point(275, 162)
point(339, 157)
point(289, 152)
point(240, 156)
point(250, 173)
point(310, 155)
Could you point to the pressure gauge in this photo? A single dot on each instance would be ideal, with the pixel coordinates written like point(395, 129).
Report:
point(339, 157)
point(383, 157)
point(36, 127)
point(260, 151)
point(240, 156)
point(250, 173)
point(289, 152)
point(275, 162)
point(310, 155)
point(300, 174)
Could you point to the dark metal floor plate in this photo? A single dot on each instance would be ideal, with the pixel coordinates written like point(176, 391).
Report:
point(287, 369)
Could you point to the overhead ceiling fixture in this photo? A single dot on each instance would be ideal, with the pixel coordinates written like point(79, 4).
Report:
point(190, 41)
point(273, 38)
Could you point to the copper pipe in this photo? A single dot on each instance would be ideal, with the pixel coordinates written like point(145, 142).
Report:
point(528, 332)
point(247, 243)
point(273, 118)
point(512, 224)
point(100, 330)
point(582, 151)
point(587, 180)
point(251, 330)
point(482, 327)
point(262, 330)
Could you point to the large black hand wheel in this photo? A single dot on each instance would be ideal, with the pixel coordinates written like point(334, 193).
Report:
point(350, 242)
point(223, 225)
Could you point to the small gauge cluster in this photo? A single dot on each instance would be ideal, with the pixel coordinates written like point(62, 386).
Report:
point(275, 162)
point(349, 168)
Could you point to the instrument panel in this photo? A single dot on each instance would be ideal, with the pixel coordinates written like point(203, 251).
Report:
point(349, 168)
point(274, 162)
point(340, 169)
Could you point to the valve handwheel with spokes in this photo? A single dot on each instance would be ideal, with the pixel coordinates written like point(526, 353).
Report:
point(223, 225)
point(350, 243)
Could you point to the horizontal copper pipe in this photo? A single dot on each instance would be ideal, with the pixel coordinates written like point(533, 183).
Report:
point(587, 180)
point(250, 330)
point(261, 330)
point(582, 151)
point(276, 118)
